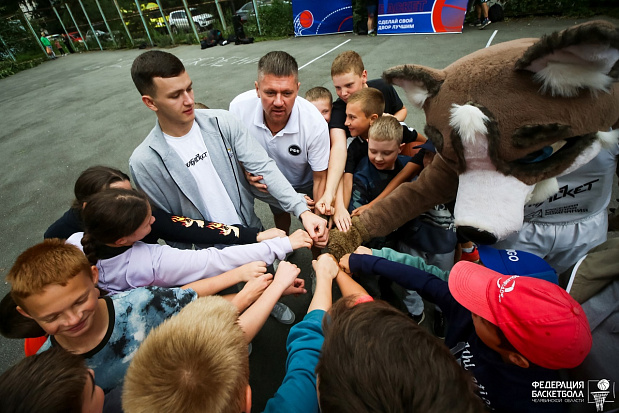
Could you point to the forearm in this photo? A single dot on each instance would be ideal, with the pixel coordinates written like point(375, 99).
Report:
point(337, 160)
point(320, 181)
point(213, 285)
point(348, 286)
point(252, 320)
point(322, 298)
point(401, 114)
point(346, 188)
point(437, 184)
point(182, 229)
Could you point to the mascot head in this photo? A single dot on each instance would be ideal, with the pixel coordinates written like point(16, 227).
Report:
point(512, 117)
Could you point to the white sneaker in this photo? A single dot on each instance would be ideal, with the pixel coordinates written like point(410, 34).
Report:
point(283, 314)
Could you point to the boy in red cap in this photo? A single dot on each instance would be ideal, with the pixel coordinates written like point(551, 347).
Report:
point(509, 331)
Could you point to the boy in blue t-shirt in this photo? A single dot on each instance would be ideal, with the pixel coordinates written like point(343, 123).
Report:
point(381, 164)
point(54, 284)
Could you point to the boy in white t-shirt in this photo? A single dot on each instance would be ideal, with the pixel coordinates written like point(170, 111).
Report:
point(288, 127)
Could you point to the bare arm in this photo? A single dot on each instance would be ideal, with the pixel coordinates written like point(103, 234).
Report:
point(326, 269)
point(348, 286)
point(401, 114)
point(213, 285)
point(320, 181)
point(252, 320)
point(341, 216)
point(337, 161)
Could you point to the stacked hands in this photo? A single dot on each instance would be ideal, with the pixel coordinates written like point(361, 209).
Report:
point(257, 279)
point(313, 224)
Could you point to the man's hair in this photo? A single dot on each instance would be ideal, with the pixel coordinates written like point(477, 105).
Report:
point(319, 93)
point(95, 179)
point(278, 64)
point(347, 62)
point(371, 101)
point(111, 215)
point(195, 361)
point(51, 262)
point(52, 381)
point(154, 63)
point(386, 128)
point(376, 359)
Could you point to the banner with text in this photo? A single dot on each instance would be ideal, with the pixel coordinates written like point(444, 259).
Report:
point(321, 17)
point(420, 16)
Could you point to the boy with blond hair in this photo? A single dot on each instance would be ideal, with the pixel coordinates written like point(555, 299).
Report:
point(364, 108)
point(198, 361)
point(349, 76)
point(54, 284)
point(321, 98)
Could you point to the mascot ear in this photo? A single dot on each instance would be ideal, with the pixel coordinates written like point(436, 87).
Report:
point(418, 82)
point(581, 57)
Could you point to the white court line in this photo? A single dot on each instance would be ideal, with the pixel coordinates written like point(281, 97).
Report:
point(324, 54)
point(491, 37)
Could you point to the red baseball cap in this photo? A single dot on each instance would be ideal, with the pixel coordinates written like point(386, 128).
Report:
point(540, 319)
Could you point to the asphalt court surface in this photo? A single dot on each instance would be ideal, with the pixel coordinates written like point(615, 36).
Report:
point(63, 116)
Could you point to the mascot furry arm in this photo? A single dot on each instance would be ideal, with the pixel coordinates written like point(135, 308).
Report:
point(505, 120)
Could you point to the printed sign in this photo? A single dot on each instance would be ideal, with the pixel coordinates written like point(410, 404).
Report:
point(321, 17)
point(420, 16)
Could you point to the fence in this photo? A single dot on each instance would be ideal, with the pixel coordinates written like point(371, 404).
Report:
point(76, 25)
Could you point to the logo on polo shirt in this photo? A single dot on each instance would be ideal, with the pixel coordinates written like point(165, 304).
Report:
point(294, 150)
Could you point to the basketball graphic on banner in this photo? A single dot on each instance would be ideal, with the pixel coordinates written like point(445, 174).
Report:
point(306, 19)
point(447, 15)
point(312, 17)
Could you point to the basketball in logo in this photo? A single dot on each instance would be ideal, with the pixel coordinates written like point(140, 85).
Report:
point(603, 384)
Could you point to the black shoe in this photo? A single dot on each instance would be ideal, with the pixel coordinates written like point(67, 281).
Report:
point(439, 324)
point(484, 23)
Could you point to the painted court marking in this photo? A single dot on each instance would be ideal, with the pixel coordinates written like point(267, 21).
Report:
point(491, 38)
point(324, 54)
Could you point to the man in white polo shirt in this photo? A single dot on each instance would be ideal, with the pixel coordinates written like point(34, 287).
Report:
point(289, 128)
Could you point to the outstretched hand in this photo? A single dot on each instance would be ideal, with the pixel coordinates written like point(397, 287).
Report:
point(252, 270)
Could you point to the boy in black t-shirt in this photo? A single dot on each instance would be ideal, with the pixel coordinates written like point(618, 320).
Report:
point(364, 108)
point(349, 76)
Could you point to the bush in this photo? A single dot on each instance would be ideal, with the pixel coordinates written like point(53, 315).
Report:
point(8, 68)
point(276, 19)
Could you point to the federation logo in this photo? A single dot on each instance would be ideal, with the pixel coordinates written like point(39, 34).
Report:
point(504, 287)
point(294, 150)
point(600, 392)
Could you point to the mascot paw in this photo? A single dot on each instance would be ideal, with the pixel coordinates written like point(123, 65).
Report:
point(342, 243)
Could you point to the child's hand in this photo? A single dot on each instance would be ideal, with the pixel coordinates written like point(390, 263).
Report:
point(344, 264)
point(254, 288)
point(300, 239)
point(297, 288)
point(310, 203)
point(363, 250)
point(341, 219)
point(361, 209)
point(326, 266)
point(252, 270)
point(270, 233)
point(286, 274)
point(254, 180)
point(325, 205)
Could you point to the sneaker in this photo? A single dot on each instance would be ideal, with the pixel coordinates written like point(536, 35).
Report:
point(484, 23)
point(475, 23)
point(283, 314)
point(439, 324)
